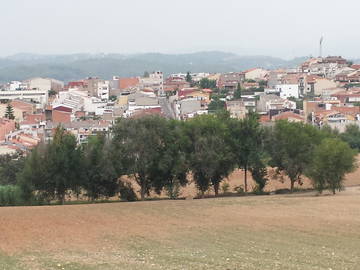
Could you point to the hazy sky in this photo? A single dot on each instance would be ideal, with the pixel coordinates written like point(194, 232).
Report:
point(285, 28)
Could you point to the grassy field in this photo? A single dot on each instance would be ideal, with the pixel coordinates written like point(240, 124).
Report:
point(299, 231)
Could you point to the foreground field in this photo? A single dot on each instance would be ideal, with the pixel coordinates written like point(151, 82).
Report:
point(299, 231)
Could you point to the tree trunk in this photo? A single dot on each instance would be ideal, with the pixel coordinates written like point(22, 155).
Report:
point(143, 192)
point(245, 178)
point(62, 199)
point(292, 185)
point(216, 188)
point(202, 194)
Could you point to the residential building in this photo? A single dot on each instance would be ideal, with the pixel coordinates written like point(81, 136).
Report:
point(288, 90)
point(231, 80)
point(39, 96)
point(236, 108)
point(255, 74)
point(6, 127)
point(45, 84)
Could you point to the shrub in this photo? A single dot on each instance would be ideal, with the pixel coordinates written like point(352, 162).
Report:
point(173, 190)
point(259, 191)
point(10, 195)
point(239, 190)
point(127, 192)
point(225, 187)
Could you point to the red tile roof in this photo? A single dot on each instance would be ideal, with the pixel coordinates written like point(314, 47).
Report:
point(128, 82)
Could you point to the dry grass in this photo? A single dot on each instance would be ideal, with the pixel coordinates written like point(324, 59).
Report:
point(300, 231)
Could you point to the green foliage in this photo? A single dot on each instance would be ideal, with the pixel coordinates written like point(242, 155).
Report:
point(138, 146)
point(10, 195)
point(352, 136)
point(54, 169)
point(188, 77)
point(263, 83)
point(209, 152)
point(10, 166)
point(216, 105)
point(146, 74)
point(247, 142)
point(113, 98)
point(52, 93)
point(205, 83)
point(172, 167)
point(100, 179)
point(259, 174)
point(237, 93)
point(239, 190)
point(291, 146)
point(9, 112)
point(329, 132)
point(332, 159)
point(351, 85)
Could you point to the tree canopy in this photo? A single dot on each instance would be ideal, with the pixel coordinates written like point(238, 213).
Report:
point(332, 159)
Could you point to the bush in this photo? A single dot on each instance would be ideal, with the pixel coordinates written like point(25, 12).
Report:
point(259, 191)
point(127, 192)
point(225, 187)
point(239, 190)
point(10, 195)
point(173, 190)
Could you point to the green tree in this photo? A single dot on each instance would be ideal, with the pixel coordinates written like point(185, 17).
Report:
point(352, 136)
point(54, 169)
point(9, 112)
point(247, 143)
point(237, 93)
point(100, 178)
point(332, 159)
point(188, 77)
point(259, 174)
point(137, 148)
point(146, 74)
point(52, 93)
point(205, 83)
point(263, 83)
point(216, 105)
point(291, 146)
point(209, 153)
point(172, 169)
point(10, 167)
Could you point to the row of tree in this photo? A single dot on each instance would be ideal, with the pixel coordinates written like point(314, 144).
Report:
point(160, 155)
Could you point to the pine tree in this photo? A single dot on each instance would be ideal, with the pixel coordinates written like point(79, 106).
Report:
point(237, 93)
point(9, 113)
point(188, 77)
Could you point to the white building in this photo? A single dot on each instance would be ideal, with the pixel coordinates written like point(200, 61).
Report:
point(39, 96)
point(103, 90)
point(288, 90)
point(15, 85)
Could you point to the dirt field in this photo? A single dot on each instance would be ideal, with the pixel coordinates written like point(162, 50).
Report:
point(300, 231)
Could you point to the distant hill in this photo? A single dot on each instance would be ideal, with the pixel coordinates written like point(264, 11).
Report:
point(78, 66)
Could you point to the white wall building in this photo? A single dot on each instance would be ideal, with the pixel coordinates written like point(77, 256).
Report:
point(288, 90)
point(39, 96)
point(103, 90)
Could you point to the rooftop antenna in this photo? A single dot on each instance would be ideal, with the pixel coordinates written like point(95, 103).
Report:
point(321, 46)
